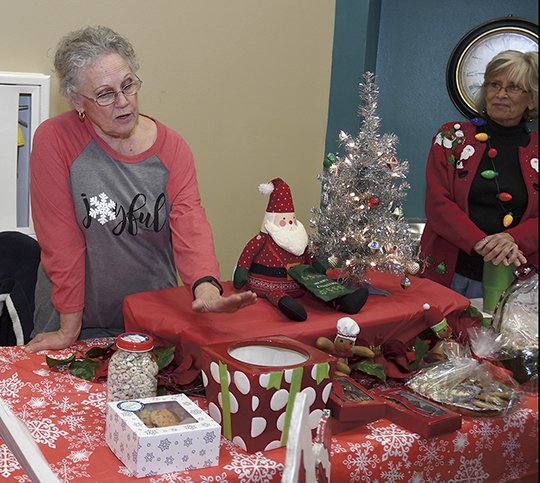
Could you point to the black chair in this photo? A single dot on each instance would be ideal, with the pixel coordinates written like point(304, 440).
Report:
point(19, 261)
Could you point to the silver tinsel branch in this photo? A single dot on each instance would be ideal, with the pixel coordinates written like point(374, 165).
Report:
point(360, 220)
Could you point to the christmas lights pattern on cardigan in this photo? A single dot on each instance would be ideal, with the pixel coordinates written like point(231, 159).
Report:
point(492, 174)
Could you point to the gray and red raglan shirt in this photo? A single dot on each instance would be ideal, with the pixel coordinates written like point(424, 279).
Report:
point(111, 225)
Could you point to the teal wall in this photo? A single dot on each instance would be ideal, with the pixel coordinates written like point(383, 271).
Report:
point(415, 40)
point(356, 34)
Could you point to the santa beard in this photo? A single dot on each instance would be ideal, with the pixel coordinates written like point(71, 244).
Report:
point(292, 238)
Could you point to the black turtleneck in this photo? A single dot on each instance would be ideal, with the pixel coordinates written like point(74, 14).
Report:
point(485, 210)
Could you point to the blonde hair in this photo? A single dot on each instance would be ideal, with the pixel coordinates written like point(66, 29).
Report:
point(521, 69)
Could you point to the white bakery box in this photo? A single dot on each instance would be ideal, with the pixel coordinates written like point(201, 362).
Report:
point(190, 442)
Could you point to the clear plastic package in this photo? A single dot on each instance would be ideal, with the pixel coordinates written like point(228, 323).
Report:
point(516, 319)
point(467, 383)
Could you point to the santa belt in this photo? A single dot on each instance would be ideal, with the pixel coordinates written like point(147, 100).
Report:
point(268, 271)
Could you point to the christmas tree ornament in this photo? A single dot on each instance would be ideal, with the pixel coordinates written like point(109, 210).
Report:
point(413, 268)
point(374, 246)
point(392, 162)
point(391, 249)
point(405, 282)
point(374, 202)
point(398, 213)
point(329, 160)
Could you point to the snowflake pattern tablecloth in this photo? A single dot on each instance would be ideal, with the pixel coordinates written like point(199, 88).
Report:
point(66, 417)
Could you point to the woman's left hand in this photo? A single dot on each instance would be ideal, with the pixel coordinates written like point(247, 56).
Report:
point(208, 299)
point(500, 247)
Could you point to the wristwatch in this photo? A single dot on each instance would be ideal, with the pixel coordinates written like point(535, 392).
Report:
point(468, 60)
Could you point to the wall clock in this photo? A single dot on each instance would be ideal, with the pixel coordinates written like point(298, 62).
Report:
point(468, 60)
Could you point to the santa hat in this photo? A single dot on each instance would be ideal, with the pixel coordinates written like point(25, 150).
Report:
point(347, 328)
point(280, 196)
point(434, 318)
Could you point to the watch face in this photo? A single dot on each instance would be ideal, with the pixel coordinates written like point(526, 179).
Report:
point(467, 64)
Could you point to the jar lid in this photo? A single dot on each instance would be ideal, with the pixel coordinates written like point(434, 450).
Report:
point(134, 342)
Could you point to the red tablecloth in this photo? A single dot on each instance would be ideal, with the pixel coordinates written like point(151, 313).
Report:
point(66, 417)
point(167, 315)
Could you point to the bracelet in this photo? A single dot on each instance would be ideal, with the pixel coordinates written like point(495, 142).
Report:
point(208, 279)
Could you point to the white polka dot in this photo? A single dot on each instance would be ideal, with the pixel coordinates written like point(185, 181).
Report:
point(326, 392)
point(311, 395)
point(279, 400)
point(280, 423)
point(288, 375)
point(242, 382)
point(214, 412)
point(273, 445)
point(263, 380)
point(258, 425)
point(239, 442)
point(214, 370)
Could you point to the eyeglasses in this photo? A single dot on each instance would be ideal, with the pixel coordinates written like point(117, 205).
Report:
point(109, 97)
point(512, 89)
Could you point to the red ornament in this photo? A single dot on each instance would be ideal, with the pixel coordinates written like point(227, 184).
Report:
point(492, 152)
point(504, 196)
point(373, 202)
point(392, 162)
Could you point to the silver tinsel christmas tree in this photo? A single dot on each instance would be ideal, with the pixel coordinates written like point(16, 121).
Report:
point(360, 221)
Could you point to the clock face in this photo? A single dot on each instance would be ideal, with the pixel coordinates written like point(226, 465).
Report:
point(467, 64)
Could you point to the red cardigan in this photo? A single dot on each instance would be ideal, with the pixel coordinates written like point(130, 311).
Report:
point(452, 164)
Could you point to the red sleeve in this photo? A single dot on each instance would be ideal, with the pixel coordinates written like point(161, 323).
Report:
point(56, 144)
point(193, 242)
point(526, 233)
point(447, 219)
point(526, 236)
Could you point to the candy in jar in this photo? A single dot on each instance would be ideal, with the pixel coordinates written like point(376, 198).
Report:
point(133, 369)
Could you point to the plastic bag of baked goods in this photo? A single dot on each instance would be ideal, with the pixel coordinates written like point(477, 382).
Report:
point(516, 319)
point(467, 383)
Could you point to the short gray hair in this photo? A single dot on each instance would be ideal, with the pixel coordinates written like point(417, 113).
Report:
point(521, 69)
point(79, 49)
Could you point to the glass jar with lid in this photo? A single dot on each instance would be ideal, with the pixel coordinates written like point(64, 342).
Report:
point(133, 368)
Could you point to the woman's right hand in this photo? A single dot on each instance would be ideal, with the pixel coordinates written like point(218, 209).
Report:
point(500, 248)
point(65, 336)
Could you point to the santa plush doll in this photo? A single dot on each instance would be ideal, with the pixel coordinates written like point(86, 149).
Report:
point(266, 262)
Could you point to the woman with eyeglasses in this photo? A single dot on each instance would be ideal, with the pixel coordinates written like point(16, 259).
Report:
point(115, 201)
point(482, 181)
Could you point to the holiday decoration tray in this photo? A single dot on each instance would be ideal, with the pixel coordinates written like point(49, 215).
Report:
point(418, 414)
point(351, 402)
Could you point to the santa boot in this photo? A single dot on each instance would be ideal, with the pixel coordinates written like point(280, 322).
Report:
point(292, 309)
point(352, 302)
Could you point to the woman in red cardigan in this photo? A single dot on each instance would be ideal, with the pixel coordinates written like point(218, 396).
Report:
point(482, 181)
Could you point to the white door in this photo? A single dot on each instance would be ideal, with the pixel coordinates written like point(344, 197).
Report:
point(24, 104)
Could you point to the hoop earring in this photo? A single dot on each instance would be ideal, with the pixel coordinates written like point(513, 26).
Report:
point(82, 115)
